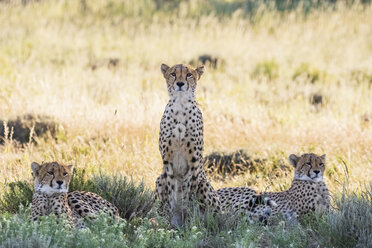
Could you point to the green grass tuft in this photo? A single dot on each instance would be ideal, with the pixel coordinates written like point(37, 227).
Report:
point(14, 195)
point(132, 199)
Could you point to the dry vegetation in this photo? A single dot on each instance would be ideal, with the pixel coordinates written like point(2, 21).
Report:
point(96, 72)
point(80, 83)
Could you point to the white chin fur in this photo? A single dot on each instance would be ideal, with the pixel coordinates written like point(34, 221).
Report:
point(306, 178)
point(317, 179)
point(303, 177)
point(49, 190)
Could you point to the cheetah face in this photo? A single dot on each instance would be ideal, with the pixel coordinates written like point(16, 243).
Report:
point(308, 167)
point(50, 178)
point(181, 79)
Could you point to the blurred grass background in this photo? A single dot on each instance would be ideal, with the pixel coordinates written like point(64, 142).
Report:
point(290, 77)
point(80, 83)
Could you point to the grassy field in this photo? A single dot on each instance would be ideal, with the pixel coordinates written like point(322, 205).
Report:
point(290, 80)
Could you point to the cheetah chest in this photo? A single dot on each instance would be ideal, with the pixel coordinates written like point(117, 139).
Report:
point(51, 204)
point(180, 137)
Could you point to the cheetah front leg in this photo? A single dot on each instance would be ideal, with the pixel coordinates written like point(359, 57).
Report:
point(161, 194)
point(180, 200)
point(322, 201)
point(207, 196)
point(59, 207)
point(39, 205)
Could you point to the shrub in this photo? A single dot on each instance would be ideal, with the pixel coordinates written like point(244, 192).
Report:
point(233, 163)
point(349, 224)
point(268, 69)
point(25, 128)
point(132, 200)
point(15, 194)
point(308, 73)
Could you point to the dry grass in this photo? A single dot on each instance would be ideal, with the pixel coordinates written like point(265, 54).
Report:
point(109, 117)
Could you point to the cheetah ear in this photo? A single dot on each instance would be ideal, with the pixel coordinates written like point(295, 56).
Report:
point(164, 68)
point(323, 157)
point(200, 71)
point(293, 159)
point(70, 167)
point(35, 168)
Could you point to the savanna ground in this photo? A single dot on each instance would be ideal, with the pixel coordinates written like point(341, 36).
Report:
point(291, 77)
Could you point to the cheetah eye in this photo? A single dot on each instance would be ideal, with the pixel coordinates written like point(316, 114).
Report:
point(173, 74)
point(321, 164)
point(50, 173)
point(65, 174)
point(308, 164)
point(188, 75)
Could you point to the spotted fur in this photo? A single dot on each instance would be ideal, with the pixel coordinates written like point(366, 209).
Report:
point(247, 201)
point(51, 181)
point(307, 193)
point(181, 146)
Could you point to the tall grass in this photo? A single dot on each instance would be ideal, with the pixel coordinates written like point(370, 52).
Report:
point(346, 225)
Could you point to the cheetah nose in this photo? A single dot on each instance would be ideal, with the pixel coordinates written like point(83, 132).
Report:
point(59, 183)
point(180, 84)
point(316, 172)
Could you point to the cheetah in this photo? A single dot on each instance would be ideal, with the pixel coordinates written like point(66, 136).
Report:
point(51, 182)
point(308, 192)
point(183, 178)
point(247, 201)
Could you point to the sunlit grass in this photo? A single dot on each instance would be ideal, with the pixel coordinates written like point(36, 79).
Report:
point(258, 100)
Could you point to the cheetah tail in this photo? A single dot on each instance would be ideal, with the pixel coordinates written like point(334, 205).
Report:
point(270, 202)
point(264, 200)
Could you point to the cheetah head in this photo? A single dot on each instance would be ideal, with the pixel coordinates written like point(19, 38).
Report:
point(181, 79)
point(50, 178)
point(308, 166)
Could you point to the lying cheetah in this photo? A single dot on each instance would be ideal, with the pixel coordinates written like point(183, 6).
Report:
point(307, 193)
point(246, 200)
point(51, 181)
point(181, 147)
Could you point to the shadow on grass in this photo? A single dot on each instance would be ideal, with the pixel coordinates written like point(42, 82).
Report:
point(24, 129)
point(231, 164)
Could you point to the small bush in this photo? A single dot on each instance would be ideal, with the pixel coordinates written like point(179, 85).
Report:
point(23, 129)
point(231, 163)
point(349, 224)
point(132, 200)
point(207, 60)
point(361, 77)
point(268, 69)
point(366, 118)
point(15, 194)
point(307, 73)
point(81, 182)
point(316, 99)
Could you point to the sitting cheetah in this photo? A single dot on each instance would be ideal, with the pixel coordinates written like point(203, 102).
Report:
point(181, 144)
point(51, 181)
point(307, 193)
